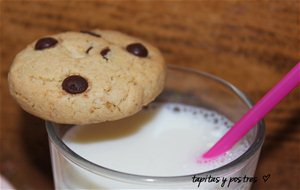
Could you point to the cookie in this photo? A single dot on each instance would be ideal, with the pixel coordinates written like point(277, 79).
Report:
point(86, 77)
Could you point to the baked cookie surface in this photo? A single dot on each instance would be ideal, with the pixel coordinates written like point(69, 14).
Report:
point(86, 77)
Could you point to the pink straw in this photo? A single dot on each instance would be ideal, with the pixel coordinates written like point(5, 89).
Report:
point(255, 114)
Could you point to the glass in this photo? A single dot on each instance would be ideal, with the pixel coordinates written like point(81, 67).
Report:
point(185, 86)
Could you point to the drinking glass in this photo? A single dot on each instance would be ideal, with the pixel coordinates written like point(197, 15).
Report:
point(185, 86)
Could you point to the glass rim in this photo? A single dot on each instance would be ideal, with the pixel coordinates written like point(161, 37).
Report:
point(100, 170)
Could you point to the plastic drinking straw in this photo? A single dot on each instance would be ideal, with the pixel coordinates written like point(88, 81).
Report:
point(256, 113)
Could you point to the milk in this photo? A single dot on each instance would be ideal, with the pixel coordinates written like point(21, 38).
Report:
point(162, 140)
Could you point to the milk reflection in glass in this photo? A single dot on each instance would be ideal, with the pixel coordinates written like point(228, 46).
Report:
point(162, 140)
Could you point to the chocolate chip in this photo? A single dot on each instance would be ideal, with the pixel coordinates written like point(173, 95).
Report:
point(88, 50)
point(137, 49)
point(75, 84)
point(91, 33)
point(104, 52)
point(45, 43)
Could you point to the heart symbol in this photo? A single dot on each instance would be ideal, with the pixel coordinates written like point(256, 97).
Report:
point(266, 177)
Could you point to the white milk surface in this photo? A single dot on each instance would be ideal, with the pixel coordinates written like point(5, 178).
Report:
point(163, 140)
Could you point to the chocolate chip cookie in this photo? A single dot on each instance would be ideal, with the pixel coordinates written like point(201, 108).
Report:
point(86, 77)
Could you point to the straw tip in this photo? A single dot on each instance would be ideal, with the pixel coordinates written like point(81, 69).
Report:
point(209, 154)
point(205, 158)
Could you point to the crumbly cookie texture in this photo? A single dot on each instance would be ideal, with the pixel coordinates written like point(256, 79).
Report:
point(86, 77)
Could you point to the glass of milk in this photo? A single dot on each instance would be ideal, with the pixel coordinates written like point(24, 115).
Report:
point(158, 147)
